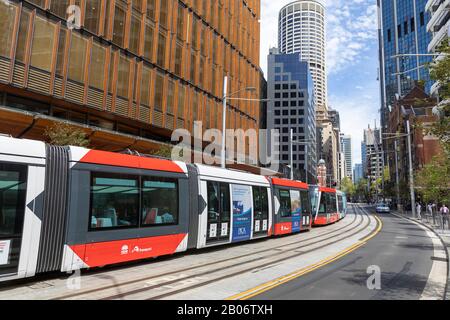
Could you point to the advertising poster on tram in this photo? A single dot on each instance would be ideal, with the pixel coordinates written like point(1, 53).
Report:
point(242, 212)
point(4, 252)
point(296, 210)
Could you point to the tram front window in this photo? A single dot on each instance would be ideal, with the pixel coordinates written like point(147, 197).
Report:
point(114, 201)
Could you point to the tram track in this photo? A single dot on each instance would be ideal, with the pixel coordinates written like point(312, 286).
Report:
point(216, 262)
point(271, 256)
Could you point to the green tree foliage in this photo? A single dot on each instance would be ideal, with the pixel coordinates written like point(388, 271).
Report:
point(348, 187)
point(163, 152)
point(63, 134)
point(440, 72)
point(433, 181)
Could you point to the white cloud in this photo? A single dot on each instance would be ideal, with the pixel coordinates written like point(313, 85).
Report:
point(351, 25)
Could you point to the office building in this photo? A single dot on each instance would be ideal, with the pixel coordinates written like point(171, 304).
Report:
point(132, 73)
point(402, 31)
point(291, 107)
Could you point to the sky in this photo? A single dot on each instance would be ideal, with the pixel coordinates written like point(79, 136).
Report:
point(352, 60)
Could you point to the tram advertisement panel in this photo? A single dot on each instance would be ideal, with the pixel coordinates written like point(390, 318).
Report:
point(242, 212)
point(4, 252)
point(295, 210)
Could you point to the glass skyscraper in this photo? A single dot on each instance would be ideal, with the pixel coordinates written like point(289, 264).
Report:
point(402, 30)
point(291, 107)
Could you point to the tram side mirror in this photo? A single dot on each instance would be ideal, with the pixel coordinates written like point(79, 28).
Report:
point(201, 204)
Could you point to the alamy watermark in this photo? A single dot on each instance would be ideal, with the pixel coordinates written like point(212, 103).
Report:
point(374, 281)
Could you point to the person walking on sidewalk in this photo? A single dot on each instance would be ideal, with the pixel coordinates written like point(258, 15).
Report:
point(431, 212)
point(419, 211)
point(445, 215)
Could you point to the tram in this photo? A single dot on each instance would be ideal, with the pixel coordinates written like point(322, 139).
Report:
point(68, 208)
point(330, 205)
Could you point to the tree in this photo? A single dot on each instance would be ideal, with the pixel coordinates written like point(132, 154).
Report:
point(163, 152)
point(440, 72)
point(348, 187)
point(433, 181)
point(63, 134)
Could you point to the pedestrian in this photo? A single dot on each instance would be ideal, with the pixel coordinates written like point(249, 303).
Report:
point(445, 215)
point(419, 211)
point(431, 212)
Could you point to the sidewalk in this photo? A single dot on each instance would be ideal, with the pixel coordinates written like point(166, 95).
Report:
point(442, 231)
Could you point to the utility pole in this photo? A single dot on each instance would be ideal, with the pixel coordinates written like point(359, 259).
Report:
point(291, 156)
point(224, 123)
point(396, 174)
point(411, 170)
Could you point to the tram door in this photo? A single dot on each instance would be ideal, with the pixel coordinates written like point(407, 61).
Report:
point(261, 209)
point(218, 225)
point(13, 186)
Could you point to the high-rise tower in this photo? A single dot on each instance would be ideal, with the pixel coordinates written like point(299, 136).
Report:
point(301, 28)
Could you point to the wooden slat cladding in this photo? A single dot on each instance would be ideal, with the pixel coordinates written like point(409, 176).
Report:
point(4, 70)
point(39, 81)
point(18, 74)
point(151, 63)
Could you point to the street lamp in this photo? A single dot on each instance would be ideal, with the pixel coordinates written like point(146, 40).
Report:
point(226, 97)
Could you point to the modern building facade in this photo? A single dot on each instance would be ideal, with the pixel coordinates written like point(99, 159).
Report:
point(402, 30)
point(374, 154)
point(439, 27)
point(291, 107)
point(132, 72)
point(302, 30)
point(346, 143)
point(357, 173)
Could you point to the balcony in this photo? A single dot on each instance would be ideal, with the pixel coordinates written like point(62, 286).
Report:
point(438, 15)
point(430, 4)
point(439, 36)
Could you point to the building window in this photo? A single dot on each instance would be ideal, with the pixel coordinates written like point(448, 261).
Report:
point(43, 40)
point(181, 93)
point(91, 21)
point(114, 201)
point(159, 91)
point(399, 30)
point(170, 95)
point(422, 19)
point(405, 26)
point(159, 202)
point(59, 7)
point(151, 9)
point(97, 67)
point(145, 86)
point(123, 77)
point(389, 35)
point(135, 33)
point(178, 58)
point(77, 58)
point(7, 17)
point(119, 23)
point(22, 36)
point(180, 22)
point(413, 26)
point(163, 13)
point(148, 42)
point(161, 50)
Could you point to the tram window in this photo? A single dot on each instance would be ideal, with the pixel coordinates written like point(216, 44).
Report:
point(114, 201)
point(213, 201)
point(260, 203)
point(225, 201)
point(159, 202)
point(333, 206)
point(324, 204)
point(305, 202)
point(218, 202)
point(285, 204)
point(13, 187)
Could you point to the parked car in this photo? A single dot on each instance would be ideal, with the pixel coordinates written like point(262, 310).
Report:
point(383, 208)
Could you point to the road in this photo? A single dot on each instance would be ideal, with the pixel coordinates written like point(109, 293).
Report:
point(402, 250)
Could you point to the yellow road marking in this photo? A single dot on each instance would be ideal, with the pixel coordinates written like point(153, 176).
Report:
point(296, 274)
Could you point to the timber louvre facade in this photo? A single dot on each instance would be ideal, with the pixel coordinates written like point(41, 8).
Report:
point(158, 62)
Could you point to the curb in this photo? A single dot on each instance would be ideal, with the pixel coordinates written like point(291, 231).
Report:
point(446, 249)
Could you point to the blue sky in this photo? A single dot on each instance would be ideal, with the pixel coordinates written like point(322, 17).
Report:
point(352, 60)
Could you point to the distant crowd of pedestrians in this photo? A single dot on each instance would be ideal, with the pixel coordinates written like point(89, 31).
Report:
point(439, 213)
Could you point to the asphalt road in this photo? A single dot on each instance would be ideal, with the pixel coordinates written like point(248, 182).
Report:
point(402, 251)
